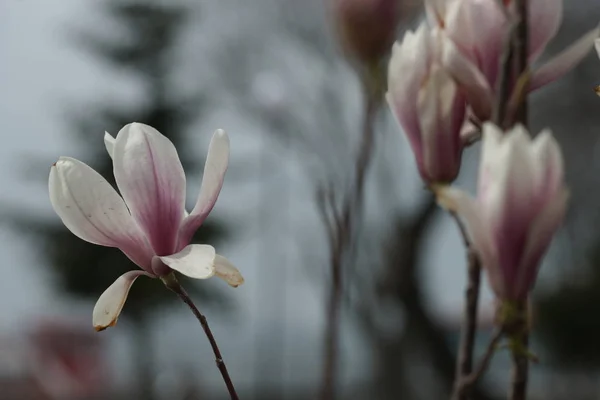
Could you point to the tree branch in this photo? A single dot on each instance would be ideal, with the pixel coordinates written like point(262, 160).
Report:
point(342, 241)
point(469, 329)
point(470, 380)
point(172, 284)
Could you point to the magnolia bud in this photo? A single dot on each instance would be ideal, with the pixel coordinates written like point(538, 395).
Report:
point(427, 104)
point(521, 202)
point(367, 27)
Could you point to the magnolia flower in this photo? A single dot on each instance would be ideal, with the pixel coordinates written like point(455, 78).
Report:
point(521, 201)
point(427, 104)
point(367, 28)
point(149, 222)
point(474, 55)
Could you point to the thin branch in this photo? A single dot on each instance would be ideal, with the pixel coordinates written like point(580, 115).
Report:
point(326, 207)
point(172, 284)
point(464, 365)
point(520, 370)
point(504, 87)
point(467, 382)
point(342, 241)
point(521, 52)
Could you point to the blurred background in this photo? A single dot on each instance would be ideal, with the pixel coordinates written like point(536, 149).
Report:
point(271, 74)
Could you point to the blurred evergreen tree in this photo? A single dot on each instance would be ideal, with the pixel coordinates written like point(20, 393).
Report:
point(567, 320)
point(86, 270)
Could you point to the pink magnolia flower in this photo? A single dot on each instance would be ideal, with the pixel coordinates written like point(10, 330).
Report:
point(427, 103)
point(521, 201)
point(474, 55)
point(149, 222)
point(367, 28)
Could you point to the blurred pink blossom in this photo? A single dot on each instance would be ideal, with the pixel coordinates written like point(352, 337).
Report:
point(474, 55)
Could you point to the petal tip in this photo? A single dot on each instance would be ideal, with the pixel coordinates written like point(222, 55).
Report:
point(221, 134)
point(100, 328)
point(235, 282)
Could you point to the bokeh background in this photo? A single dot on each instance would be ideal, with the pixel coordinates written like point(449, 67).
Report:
point(271, 74)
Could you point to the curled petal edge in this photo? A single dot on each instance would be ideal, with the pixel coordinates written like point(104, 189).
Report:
point(110, 303)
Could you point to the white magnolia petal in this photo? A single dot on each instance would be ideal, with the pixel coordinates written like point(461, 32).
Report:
point(407, 69)
point(196, 261)
point(545, 17)
point(475, 85)
point(109, 305)
point(549, 163)
point(512, 180)
point(539, 238)
point(564, 61)
point(470, 213)
point(597, 44)
point(109, 143)
point(215, 167)
point(90, 208)
point(225, 270)
point(482, 46)
point(151, 179)
point(491, 150)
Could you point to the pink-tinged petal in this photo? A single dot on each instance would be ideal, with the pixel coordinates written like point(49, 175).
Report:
point(151, 179)
point(407, 70)
point(482, 46)
point(564, 61)
point(196, 261)
point(91, 209)
point(511, 202)
point(109, 305)
point(549, 164)
point(441, 113)
point(474, 84)
point(540, 236)
point(215, 167)
point(109, 143)
point(491, 140)
point(545, 17)
point(470, 213)
point(225, 270)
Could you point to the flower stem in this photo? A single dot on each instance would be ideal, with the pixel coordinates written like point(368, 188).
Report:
point(172, 284)
point(521, 51)
point(468, 381)
point(519, 336)
point(342, 232)
point(469, 329)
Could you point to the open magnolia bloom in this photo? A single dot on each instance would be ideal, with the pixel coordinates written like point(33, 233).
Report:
point(427, 103)
point(474, 55)
point(149, 222)
point(521, 202)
